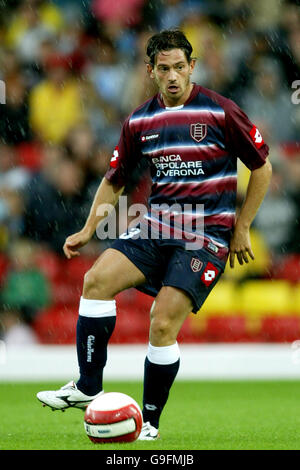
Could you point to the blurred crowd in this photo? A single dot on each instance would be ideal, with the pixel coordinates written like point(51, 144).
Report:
point(74, 69)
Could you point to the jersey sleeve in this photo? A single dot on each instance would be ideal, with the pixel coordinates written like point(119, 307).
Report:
point(243, 138)
point(123, 158)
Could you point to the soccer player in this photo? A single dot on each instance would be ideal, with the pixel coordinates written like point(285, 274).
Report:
point(192, 138)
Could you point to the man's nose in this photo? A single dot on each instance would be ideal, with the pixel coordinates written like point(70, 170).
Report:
point(172, 75)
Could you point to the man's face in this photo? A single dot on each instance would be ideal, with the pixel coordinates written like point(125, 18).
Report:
point(172, 72)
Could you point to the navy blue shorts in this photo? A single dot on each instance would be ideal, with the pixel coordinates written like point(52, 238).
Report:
point(167, 263)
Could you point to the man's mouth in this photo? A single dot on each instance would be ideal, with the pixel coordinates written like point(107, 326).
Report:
point(173, 88)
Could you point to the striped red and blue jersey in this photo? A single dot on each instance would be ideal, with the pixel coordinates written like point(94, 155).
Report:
point(192, 152)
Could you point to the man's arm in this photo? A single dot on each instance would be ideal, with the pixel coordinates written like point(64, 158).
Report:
point(240, 244)
point(107, 194)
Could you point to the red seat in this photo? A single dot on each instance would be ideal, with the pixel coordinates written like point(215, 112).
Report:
point(135, 300)
point(66, 294)
point(188, 333)
point(30, 155)
point(131, 327)
point(280, 329)
point(226, 329)
point(133, 317)
point(288, 269)
point(50, 264)
point(4, 266)
point(76, 268)
point(56, 325)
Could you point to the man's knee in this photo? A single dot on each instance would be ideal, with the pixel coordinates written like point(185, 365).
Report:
point(163, 326)
point(161, 330)
point(167, 315)
point(95, 286)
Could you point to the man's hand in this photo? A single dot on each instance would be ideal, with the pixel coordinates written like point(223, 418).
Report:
point(74, 242)
point(240, 246)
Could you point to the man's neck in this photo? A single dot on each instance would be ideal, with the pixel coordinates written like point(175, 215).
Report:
point(175, 103)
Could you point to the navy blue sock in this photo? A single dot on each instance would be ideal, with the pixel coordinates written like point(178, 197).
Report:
point(92, 338)
point(158, 380)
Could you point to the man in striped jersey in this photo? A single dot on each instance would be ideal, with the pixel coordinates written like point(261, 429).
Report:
point(191, 137)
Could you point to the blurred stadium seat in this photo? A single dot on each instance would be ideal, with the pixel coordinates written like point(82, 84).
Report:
point(133, 317)
point(30, 155)
point(280, 329)
point(65, 294)
point(49, 263)
point(56, 325)
point(268, 308)
point(288, 268)
point(4, 265)
point(265, 297)
point(221, 301)
point(226, 329)
point(76, 268)
point(219, 319)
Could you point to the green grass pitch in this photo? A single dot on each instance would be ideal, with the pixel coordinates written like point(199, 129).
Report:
point(199, 415)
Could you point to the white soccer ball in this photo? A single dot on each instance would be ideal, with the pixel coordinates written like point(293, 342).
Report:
point(113, 417)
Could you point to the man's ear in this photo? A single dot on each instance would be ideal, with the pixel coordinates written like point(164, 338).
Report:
point(150, 70)
point(192, 65)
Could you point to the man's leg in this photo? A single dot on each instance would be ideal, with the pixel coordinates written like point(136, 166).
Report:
point(112, 273)
point(171, 308)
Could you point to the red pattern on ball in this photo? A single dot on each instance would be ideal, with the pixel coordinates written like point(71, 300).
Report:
point(115, 416)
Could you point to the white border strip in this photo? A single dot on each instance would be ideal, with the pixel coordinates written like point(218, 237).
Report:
point(126, 362)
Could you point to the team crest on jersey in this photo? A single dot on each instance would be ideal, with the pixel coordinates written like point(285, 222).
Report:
point(114, 158)
point(196, 265)
point(198, 131)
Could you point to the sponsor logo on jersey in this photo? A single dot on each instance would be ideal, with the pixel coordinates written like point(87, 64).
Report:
point(196, 265)
point(172, 165)
point(198, 131)
point(209, 274)
point(149, 137)
point(114, 158)
point(256, 137)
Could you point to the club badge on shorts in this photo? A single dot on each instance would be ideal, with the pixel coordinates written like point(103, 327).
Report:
point(196, 265)
point(209, 274)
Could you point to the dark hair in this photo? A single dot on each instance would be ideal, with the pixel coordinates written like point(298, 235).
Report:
point(167, 40)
